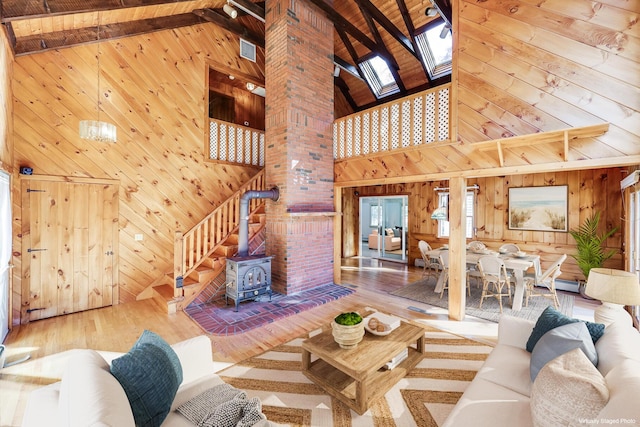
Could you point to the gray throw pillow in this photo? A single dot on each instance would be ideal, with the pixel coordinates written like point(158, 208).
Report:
point(559, 341)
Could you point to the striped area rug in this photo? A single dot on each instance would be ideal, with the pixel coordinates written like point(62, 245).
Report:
point(424, 398)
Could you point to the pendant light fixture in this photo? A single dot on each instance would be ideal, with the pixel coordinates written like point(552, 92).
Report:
point(97, 130)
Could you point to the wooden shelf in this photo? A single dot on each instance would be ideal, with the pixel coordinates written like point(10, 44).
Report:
point(343, 387)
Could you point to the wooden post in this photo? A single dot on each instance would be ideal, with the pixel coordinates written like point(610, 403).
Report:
point(337, 236)
point(457, 247)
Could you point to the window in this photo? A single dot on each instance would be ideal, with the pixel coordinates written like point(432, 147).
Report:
point(435, 49)
point(443, 226)
point(379, 77)
point(375, 215)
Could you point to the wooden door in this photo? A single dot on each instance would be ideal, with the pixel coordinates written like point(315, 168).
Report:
point(70, 239)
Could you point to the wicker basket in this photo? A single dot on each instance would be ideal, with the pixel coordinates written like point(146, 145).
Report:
point(347, 336)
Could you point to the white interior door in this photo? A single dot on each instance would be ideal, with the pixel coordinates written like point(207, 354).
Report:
point(5, 253)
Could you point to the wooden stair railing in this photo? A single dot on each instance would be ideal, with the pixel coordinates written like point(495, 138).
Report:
point(198, 244)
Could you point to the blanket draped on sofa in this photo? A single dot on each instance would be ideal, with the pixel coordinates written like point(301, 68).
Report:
point(223, 406)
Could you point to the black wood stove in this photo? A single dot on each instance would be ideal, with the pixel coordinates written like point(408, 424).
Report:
point(248, 278)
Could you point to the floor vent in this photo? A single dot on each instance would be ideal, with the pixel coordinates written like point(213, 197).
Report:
point(247, 50)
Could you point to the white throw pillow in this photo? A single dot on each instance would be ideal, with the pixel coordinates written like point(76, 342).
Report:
point(567, 391)
point(90, 395)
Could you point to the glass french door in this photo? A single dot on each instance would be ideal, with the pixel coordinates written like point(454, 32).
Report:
point(5, 253)
point(633, 259)
point(384, 227)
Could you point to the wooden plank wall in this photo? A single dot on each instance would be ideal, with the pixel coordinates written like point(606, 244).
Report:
point(6, 124)
point(589, 191)
point(526, 67)
point(153, 87)
point(249, 108)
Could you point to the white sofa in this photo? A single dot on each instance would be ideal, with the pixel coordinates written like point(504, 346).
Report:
point(501, 392)
point(89, 395)
point(391, 243)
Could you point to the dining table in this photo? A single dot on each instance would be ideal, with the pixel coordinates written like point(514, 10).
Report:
point(513, 262)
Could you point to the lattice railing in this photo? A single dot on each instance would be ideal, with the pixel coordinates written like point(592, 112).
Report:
point(418, 119)
point(229, 142)
point(194, 246)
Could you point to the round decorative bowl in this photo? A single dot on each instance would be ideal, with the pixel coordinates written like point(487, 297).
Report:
point(347, 336)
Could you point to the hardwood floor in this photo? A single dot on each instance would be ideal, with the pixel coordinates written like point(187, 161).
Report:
point(116, 328)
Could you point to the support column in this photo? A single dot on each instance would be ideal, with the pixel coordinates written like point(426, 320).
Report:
point(299, 144)
point(457, 247)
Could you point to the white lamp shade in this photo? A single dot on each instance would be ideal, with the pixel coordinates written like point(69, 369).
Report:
point(613, 286)
point(440, 213)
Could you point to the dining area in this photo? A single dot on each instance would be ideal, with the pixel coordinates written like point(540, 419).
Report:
point(506, 273)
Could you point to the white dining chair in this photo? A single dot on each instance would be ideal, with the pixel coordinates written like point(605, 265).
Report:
point(431, 265)
point(476, 246)
point(545, 284)
point(495, 281)
point(444, 265)
point(509, 248)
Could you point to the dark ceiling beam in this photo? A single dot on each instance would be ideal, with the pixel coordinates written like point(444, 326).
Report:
point(382, 48)
point(12, 10)
point(354, 71)
point(230, 25)
point(406, 17)
point(394, 97)
point(68, 38)
point(348, 26)
point(344, 89)
point(388, 25)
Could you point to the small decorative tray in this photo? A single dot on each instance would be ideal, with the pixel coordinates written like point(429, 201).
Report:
point(391, 323)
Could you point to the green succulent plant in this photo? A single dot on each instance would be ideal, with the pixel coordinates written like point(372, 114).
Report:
point(591, 253)
point(348, 319)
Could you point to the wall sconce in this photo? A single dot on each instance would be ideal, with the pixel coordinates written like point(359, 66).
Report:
point(229, 10)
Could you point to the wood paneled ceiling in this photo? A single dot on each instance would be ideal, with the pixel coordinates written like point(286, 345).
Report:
point(362, 27)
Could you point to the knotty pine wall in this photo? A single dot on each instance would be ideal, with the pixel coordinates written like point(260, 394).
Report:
point(525, 67)
point(248, 106)
point(589, 191)
point(6, 124)
point(153, 87)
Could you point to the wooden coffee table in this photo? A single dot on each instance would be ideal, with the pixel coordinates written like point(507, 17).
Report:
point(357, 376)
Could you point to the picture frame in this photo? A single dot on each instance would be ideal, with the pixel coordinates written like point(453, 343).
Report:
point(543, 208)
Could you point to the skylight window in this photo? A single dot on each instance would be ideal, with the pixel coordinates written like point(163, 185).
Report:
point(435, 49)
point(379, 77)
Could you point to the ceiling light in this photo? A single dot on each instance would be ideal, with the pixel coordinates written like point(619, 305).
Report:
point(431, 11)
point(445, 31)
point(247, 11)
point(231, 77)
point(96, 130)
point(229, 10)
point(250, 86)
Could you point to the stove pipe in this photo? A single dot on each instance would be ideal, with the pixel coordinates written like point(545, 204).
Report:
point(243, 238)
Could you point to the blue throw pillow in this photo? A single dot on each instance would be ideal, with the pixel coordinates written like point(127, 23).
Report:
point(559, 341)
point(552, 318)
point(149, 337)
point(149, 377)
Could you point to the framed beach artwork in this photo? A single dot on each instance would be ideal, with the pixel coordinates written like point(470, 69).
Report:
point(538, 208)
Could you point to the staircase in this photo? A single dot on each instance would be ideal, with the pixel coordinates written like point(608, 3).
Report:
point(200, 254)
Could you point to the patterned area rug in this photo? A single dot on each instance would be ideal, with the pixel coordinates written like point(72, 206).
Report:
point(422, 291)
point(218, 318)
point(424, 398)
